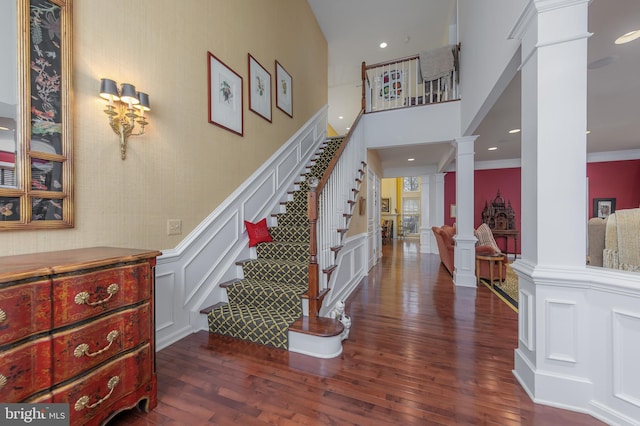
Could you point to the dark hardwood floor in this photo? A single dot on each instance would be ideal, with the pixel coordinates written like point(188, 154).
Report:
point(420, 352)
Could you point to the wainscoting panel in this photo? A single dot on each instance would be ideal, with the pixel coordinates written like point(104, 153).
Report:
point(164, 308)
point(258, 198)
point(526, 319)
point(561, 331)
point(626, 355)
point(352, 268)
point(218, 244)
point(287, 166)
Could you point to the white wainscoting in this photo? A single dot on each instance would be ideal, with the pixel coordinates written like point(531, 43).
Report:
point(579, 340)
point(188, 276)
point(352, 268)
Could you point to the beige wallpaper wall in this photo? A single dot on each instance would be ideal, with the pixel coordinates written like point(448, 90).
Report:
point(183, 167)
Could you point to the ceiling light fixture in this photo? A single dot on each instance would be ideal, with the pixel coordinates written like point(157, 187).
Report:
point(626, 38)
point(588, 131)
point(411, 159)
point(512, 131)
point(340, 117)
point(493, 148)
point(383, 45)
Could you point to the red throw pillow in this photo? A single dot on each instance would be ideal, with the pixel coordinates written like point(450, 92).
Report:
point(258, 232)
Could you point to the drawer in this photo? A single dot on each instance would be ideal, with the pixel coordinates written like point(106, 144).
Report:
point(84, 347)
point(25, 309)
point(25, 370)
point(93, 397)
point(77, 297)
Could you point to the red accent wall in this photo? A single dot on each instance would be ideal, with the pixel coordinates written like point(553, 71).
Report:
point(487, 185)
point(611, 179)
point(615, 179)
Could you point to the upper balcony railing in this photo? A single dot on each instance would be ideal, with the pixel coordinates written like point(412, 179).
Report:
point(427, 78)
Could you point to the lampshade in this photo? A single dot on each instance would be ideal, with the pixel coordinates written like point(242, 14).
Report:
point(144, 102)
point(109, 89)
point(128, 94)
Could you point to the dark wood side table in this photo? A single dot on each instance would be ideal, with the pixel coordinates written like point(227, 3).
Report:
point(491, 259)
point(506, 234)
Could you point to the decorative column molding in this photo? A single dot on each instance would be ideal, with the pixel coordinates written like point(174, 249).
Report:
point(465, 251)
point(552, 361)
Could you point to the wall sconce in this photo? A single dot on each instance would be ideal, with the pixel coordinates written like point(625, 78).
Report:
point(128, 110)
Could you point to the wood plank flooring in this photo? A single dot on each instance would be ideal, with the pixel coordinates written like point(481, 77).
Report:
point(420, 352)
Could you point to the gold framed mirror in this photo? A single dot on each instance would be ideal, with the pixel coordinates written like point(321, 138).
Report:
point(36, 173)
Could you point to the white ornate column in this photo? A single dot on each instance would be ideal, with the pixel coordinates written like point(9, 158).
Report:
point(552, 361)
point(465, 251)
point(432, 207)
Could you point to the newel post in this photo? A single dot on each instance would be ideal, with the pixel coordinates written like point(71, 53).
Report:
point(312, 211)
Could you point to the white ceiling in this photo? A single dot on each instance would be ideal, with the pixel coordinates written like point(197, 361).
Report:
point(355, 28)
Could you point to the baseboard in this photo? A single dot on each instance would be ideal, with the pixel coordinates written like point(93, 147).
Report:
point(173, 337)
point(315, 346)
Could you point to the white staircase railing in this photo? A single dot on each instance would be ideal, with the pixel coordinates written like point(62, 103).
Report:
point(331, 205)
point(398, 83)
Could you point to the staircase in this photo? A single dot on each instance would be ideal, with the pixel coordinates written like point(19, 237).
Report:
point(268, 299)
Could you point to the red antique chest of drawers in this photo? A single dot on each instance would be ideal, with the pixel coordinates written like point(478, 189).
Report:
point(77, 327)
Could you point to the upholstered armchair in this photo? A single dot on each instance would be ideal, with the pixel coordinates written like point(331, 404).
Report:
point(444, 238)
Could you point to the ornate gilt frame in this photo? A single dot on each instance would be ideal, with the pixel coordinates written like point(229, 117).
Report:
point(44, 148)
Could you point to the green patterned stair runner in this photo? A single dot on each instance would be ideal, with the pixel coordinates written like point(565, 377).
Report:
point(267, 300)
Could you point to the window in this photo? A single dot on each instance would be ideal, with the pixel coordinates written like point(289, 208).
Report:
point(411, 184)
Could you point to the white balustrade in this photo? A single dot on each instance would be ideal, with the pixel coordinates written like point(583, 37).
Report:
point(333, 201)
point(399, 83)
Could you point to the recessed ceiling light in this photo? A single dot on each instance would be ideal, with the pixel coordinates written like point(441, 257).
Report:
point(4, 128)
point(383, 45)
point(588, 131)
point(340, 117)
point(348, 128)
point(626, 38)
point(514, 131)
point(493, 148)
point(411, 159)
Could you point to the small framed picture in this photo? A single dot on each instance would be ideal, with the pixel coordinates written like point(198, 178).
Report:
point(385, 205)
point(603, 207)
point(225, 96)
point(284, 98)
point(259, 89)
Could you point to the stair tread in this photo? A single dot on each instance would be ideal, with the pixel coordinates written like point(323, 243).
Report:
point(212, 307)
point(277, 261)
point(319, 326)
point(265, 312)
point(257, 282)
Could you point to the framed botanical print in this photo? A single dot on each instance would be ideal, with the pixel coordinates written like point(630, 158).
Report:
point(225, 96)
point(259, 89)
point(284, 98)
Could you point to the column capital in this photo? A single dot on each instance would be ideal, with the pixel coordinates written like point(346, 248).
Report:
point(464, 140)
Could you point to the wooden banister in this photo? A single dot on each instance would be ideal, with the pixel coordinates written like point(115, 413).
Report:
point(337, 155)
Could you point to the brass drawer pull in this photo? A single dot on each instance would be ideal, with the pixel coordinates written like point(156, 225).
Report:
point(82, 298)
point(3, 381)
point(83, 348)
point(3, 316)
point(83, 401)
